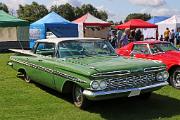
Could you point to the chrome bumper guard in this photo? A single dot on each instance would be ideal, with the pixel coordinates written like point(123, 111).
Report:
point(92, 95)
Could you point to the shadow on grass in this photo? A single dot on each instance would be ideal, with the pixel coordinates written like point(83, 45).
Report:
point(133, 108)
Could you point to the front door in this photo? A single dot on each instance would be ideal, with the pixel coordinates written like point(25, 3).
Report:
point(43, 69)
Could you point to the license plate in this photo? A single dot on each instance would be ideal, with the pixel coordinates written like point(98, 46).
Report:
point(134, 93)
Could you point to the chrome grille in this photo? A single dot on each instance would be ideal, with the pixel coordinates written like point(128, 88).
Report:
point(153, 69)
point(113, 73)
point(131, 81)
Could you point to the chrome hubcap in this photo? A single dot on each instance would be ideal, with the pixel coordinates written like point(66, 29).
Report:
point(27, 79)
point(177, 79)
point(78, 95)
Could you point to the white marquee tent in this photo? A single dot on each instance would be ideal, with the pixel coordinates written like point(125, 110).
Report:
point(171, 23)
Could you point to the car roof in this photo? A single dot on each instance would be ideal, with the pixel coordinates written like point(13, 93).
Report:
point(150, 42)
point(57, 40)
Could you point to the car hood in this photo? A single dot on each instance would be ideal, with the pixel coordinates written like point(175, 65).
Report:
point(168, 57)
point(100, 64)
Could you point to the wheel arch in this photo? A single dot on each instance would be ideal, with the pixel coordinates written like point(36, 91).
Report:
point(172, 68)
point(22, 70)
point(67, 87)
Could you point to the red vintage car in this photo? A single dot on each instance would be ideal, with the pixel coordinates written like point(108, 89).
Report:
point(156, 50)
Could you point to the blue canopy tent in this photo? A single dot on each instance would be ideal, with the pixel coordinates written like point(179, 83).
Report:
point(157, 19)
point(54, 23)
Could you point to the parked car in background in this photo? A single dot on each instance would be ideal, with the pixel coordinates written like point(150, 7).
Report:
point(156, 50)
point(89, 69)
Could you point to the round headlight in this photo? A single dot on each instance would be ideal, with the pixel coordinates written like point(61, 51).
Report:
point(159, 77)
point(95, 85)
point(103, 84)
point(165, 75)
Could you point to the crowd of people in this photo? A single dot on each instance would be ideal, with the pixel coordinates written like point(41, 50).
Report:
point(121, 38)
point(171, 36)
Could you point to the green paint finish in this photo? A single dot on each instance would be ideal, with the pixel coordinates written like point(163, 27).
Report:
point(54, 72)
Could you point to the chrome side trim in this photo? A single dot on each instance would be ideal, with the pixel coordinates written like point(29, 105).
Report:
point(93, 95)
point(48, 70)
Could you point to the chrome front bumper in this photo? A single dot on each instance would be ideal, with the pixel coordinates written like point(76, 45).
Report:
point(99, 95)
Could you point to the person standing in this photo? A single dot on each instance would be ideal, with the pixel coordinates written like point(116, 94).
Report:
point(166, 34)
point(138, 35)
point(161, 38)
point(177, 36)
point(157, 34)
point(132, 35)
point(172, 36)
point(114, 40)
point(125, 37)
point(119, 35)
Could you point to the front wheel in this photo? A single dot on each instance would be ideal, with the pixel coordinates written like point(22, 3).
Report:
point(79, 99)
point(175, 78)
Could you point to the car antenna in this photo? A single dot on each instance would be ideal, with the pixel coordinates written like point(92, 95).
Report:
point(20, 40)
point(20, 45)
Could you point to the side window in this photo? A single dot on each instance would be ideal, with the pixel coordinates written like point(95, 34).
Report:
point(45, 49)
point(141, 49)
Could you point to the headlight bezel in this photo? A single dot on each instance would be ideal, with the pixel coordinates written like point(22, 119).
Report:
point(92, 84)
point(99, 83)
point(162, 76)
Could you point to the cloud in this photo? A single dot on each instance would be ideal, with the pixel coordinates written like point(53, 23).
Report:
point(151, 3)
point(162, 11)
point(14, 4)
point(110, 14)
point(75, 3)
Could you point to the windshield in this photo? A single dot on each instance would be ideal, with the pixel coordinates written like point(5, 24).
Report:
point(161, 47)
point(81, 48)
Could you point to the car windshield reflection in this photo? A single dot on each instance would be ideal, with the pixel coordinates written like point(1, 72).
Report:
point(161, 47)
point(81, 48)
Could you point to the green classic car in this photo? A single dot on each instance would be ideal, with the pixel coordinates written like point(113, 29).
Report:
point(89, 69)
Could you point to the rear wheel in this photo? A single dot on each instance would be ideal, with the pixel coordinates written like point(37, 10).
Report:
point(79, 99)
point(27, 78)
point(175, 78)
point(23, 75)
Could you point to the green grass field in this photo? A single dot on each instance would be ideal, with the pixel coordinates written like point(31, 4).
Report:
point(23, 101)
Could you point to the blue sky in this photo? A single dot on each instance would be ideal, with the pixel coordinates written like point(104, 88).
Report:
point(116, 9)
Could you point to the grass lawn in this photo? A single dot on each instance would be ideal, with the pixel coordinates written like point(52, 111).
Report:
point(23, 101)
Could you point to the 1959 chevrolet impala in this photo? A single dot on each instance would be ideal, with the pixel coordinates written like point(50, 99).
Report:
point(89, 69)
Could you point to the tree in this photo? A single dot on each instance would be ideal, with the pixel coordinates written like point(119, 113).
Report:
point(32, 12)
point(66, 10)
point(89, 9)
point(143, 16)
point(78, 12)
point(4, 7)
point(102, 15)
point(71, 13)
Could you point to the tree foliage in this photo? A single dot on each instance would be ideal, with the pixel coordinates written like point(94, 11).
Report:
point(71, 13)
point(4, 7)
point(143, 16)
point(35, 11)
point(32, 12)
point(66, 10)
point(102, 15)
point(88, 8)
